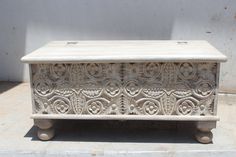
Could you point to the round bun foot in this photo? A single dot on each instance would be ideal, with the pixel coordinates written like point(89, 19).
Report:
point(46, 134)
point(204, 137)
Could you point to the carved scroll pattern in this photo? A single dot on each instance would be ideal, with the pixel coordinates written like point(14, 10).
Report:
point(126, 88)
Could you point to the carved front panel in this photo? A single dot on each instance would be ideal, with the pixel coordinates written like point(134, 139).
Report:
point(153, 88)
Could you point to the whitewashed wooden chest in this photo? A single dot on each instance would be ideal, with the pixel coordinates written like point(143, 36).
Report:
point(125, 80)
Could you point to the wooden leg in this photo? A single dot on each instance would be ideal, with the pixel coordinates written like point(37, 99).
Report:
point(204, 134)
point(45, 129)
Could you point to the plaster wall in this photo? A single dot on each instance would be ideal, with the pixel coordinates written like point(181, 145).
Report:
point(27, 25)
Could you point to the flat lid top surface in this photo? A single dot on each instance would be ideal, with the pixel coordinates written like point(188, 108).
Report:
point(124, 51)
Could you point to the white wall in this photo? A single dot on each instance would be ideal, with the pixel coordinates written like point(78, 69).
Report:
point(26, 25)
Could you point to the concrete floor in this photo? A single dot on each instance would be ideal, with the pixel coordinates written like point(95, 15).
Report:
point(108, 138)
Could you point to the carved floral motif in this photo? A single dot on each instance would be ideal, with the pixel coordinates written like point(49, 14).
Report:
point(186, 106)
point(94, 69)
point(151, 107)
point(58, 70)
point(112, 88)
point(95, 107)
point(204, 89)
point(43, 87)
point(187, 70)
point(125, 88)
point(60, 105)
point(132, 88)
point(152, 69)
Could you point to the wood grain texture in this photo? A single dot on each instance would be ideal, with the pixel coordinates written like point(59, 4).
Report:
point(124, 51)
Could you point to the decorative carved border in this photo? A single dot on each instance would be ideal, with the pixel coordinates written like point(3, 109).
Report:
point(153, 88)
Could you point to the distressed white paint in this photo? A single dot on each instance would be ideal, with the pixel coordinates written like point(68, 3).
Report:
point(27, 25)
point(124, 51)
point(101, 90)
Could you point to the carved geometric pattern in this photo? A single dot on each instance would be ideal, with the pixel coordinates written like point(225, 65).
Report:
point(153, 88)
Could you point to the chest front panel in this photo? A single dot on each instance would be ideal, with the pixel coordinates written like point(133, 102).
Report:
point(152, 88)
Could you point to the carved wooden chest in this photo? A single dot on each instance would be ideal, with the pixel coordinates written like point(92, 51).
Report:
point(125, 80)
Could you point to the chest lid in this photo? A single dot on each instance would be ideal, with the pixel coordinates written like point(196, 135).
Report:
point(125, 51)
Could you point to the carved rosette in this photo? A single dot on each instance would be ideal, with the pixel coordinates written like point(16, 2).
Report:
point(113, 88)
point(149, 106)
point(152, 70)
point(43, 87)
point(60, 105)
point(186, 106)
point(132, 88)
point(187, 71)
point(125, 88)
point(204, 89)
point(96, 106)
